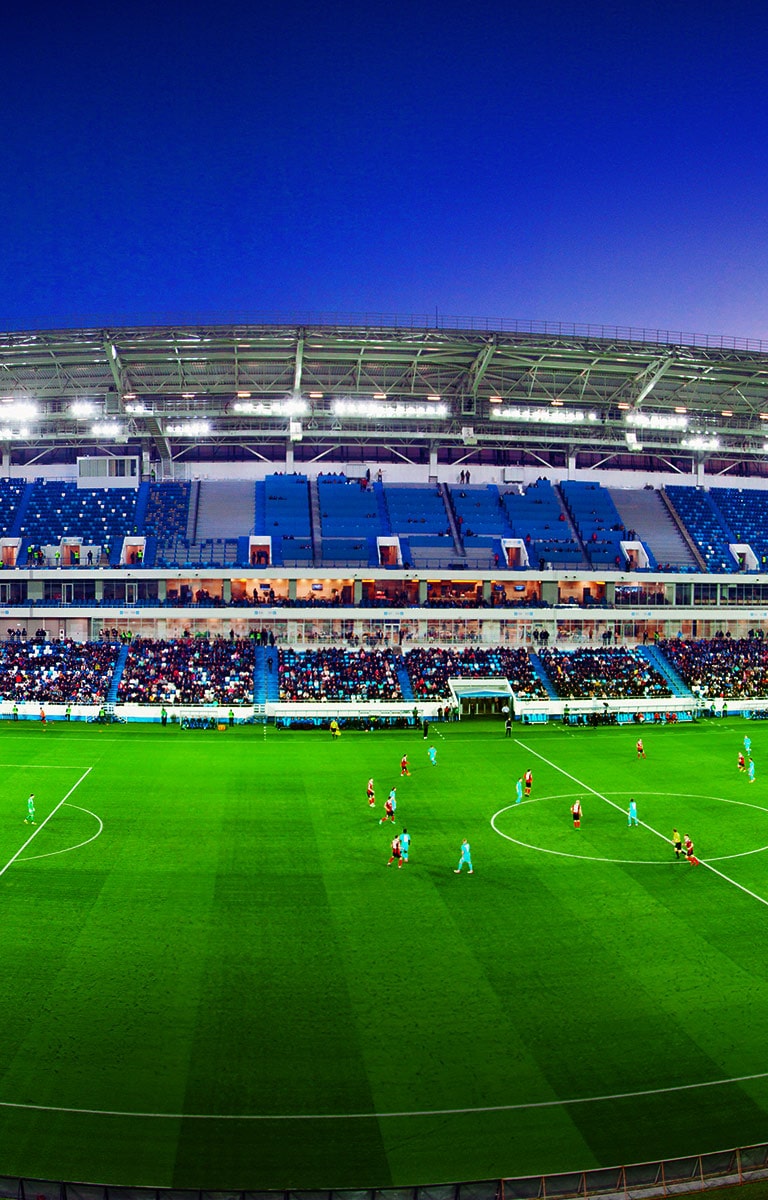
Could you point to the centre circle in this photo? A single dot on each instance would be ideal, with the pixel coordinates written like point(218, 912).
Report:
point(584, 795)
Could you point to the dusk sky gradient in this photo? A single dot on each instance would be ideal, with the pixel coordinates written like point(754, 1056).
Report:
point(587, 162)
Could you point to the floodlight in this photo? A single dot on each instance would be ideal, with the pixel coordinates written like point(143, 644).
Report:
point(388, 410)
point(108, 429)
point(656, 420)
point(188, 428)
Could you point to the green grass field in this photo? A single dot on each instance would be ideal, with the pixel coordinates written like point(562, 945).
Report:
point(211, 978)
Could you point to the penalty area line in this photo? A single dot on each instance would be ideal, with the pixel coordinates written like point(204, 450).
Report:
point(42, 824)
point(600, 796)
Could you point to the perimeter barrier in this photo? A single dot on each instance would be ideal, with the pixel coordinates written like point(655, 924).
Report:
point(667, 1177)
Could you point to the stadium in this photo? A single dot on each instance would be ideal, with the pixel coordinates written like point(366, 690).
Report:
point(521, 547)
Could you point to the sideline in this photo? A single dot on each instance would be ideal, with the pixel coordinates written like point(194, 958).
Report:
point(379, 1116)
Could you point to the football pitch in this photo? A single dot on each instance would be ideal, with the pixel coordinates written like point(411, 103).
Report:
point(212, 979)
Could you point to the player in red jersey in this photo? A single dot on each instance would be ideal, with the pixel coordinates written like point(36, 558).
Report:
point(688, 846)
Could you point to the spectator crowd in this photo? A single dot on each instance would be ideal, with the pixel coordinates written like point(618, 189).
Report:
point(720, 667)
point(338, 674)
point(62, 672)
point(609, 674)
point(189, 671)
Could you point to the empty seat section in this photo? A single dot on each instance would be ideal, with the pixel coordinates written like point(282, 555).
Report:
point(341, 551)
point(597, 521)
point(745, 511)
point(166, 519)
point(99, 516)
point(11, 491)
point(347, 510)
point(705, 526)
point(538, 518)
point(416, 510)
point(479, 511)
point(287, 518)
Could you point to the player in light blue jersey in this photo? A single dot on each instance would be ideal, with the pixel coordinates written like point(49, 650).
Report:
point(519, 790)
point(432, 752)
point(751, 770)
point(747, 745)
point(466, 857)
point(632, 814)
point(405, 844)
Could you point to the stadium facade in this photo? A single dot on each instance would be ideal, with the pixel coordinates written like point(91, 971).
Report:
point(450, 410)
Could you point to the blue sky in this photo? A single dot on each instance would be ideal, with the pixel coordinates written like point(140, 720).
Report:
point(575, 162)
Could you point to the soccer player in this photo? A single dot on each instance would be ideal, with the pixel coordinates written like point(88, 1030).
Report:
point(519, 791)
point(747, 745)
point(390, 804)
point(432, 752)
point(371, 794)
point(466, 857)
point(640, 748)
point(396, 853)
point(528, 781)
point(632, 813)
point(404, 765)
point(692, 859)
point(43, 719)
point(677, 842)
point(740, 762)
point(751, 770)
point(30, 817)
point(576, 814)
point(405, 844)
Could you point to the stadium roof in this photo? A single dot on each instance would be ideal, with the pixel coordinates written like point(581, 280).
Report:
point(522, 394)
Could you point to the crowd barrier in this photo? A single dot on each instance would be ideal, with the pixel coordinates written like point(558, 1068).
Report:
point(667, 1177)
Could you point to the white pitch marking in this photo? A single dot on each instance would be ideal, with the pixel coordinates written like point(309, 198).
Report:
point(367, 1116)
point(42, 824)
point(79, 846)
point(40, 766)
point(650, 828)
point(625, 862)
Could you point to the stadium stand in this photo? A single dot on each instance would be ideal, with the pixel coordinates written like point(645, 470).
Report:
point(96, 515)
point(429, 670)
point(188, 671)
point(349, 520)
point(287, 519)
point(338, 674)
point(540, 520)
point(720, 667)
point(602, 674)
point(64, 672)
point(705, 526)
point(597, 522)
point(745, 513)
